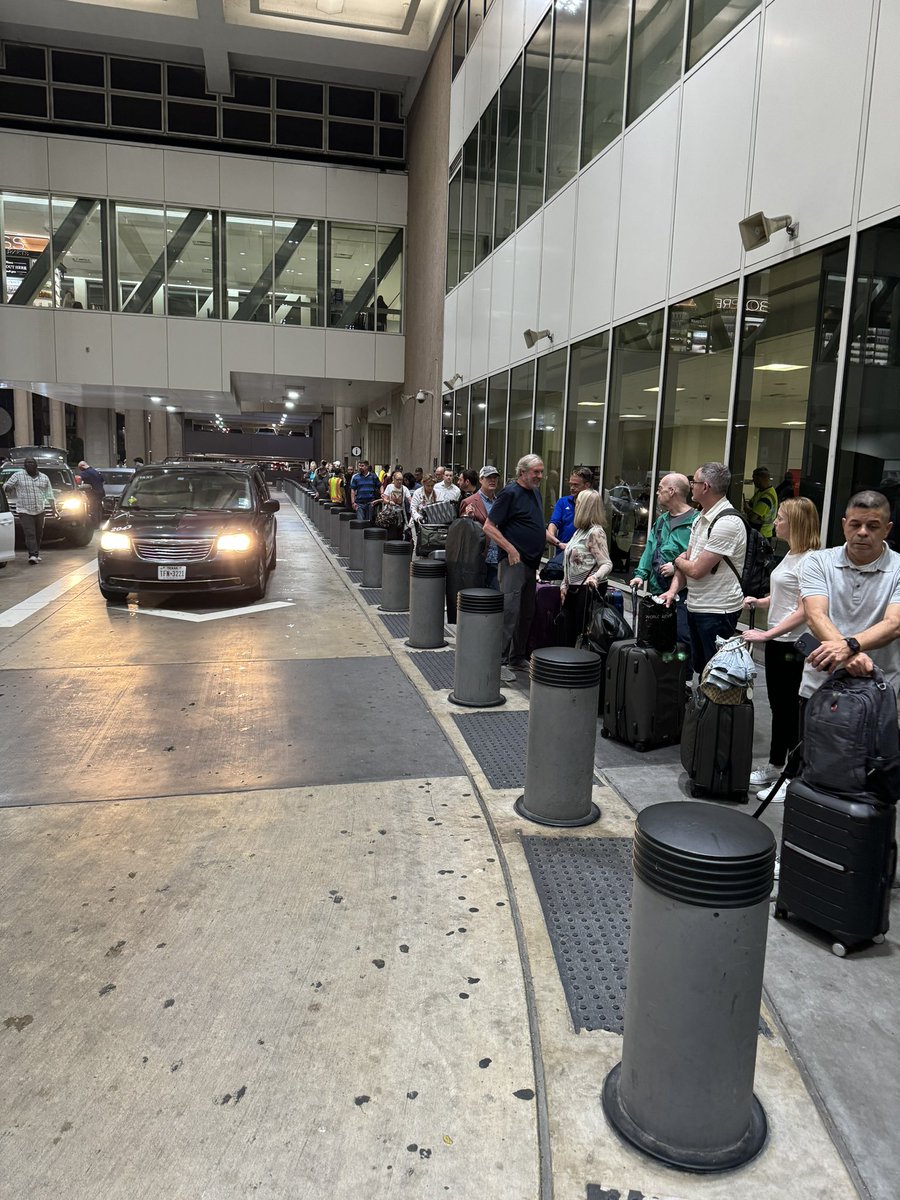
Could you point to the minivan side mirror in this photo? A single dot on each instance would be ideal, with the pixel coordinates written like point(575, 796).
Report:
point(270, 506)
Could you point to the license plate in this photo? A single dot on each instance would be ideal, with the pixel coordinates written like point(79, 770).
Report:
point(171, 572)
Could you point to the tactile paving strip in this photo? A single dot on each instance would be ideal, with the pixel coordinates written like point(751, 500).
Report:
point(437, 666)
point(499, 741)
point(355, 576)
point(371, 595)
point(584, 885)
point(397, 624)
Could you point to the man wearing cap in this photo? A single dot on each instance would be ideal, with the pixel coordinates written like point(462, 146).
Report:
point(33, 493)
point(478, 507)
point(92, 477)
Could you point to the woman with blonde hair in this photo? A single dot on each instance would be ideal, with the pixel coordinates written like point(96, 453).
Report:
point(586, 563)
point(797, 523)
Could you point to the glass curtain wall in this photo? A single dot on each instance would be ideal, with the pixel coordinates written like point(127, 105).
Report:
point(487, 168)
point(521, 407)
point(460, 18)
point(140, 258)
point(697, 387)
point(549, 406)
point(533, 142)
point(447, 428)
point(588, 366)
point(477, 424)
point(351, 262)
point(657, 44)
point(787, 373)
point(567, 71)
point(299, 272)
point(604, 82)
point(869, 447)
point(387, 282)
point(27, 252)
point(467, 205)
point(498, 400)
point(247, 267)
point(712, 20)
point(79, 253)
point(191, 262)
point(459, 458)
point(507, 154)
point(453, 208)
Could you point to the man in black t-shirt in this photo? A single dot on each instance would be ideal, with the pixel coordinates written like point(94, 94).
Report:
point(517, 525)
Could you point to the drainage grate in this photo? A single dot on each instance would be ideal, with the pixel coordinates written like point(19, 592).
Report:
point(584, 885)
point(437, 666)
point(371, 595)
point(499, 741)
point(342, 562)
point(355, 576)
point(397, 624)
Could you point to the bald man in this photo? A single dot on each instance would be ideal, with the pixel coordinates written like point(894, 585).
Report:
point(668, 537)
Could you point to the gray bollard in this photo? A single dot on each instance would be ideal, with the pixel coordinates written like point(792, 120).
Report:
point(395, 577)
point(562, 732)
point(373, 553)
point(683, 1092)
point(427, 599)
point(344, 533)
point(355, 555)
point(479, 645)
point(334, 534)
point(320, 514)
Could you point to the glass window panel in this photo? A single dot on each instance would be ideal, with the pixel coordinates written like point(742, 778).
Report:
point(247, 267)
point(189, 82)
point(787, 373)
point(487, 165)
point(24, 62)
point(657, 40)
point(447, 427)
point(467, 205)
point(79, 252)
point(535, 89)
point(23, 99)
point(300, 131)
point(587, 402)
point(352, 265)
point(389, 108)
point(712, 20)
point(135, 75)
point(604, 86)
point(565, 96)
point(87, 108)
point(300, 97)
point(460, 456)
point(192, 257)
point(26, 241)
point(476, 17)
point(299, 272)
point(631, 423)
point(357, 103)
point(388, 307)
point(507, 154)
point(698, 380)
point(245, 125)
point(140, 258)
point(199, 120)
point(348, 138)
point(136, 112)
point(869, 446)
point(390, 143)
point(498, 399)
point(477, 425)
point(521, 405)
point(453, 204)
point(253, 89)
point(549, 398)
point(87, 69)
point(460, 18)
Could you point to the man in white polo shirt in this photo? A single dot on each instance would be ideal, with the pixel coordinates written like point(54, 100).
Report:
point(712, 566)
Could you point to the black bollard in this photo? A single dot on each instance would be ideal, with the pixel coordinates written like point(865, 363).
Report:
point(479, 644)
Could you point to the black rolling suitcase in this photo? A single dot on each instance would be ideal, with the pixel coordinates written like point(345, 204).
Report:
point(643, 695)
point(717, 748)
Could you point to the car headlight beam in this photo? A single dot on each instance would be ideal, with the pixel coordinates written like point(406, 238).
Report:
point(72, 504)
point(111, 539)
point(234, 542)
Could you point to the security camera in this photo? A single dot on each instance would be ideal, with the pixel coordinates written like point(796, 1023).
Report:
point(422, 395)
point(757, 229)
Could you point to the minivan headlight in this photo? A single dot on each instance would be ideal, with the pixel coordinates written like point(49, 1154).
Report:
point(234, 541)
point(113, 540)
point(72, 504)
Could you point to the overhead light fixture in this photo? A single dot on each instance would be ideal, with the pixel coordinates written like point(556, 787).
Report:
point(591, 403)
point(171, 408)
point(757, 229)
point(289, 404)
point(796, 423)
point(451, 383)
point(155, 399)
point(592, 422)
point(780, 367)
point(532, 336)
point(656, 389)
point(293, 393)
point(716, 420)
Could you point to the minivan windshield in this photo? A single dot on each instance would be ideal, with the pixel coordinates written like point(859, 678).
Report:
point(60, 477)
point(193, 490)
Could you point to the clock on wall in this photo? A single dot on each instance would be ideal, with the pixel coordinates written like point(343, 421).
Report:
point(356, 451)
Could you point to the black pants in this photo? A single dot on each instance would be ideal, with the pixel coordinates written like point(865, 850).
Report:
point(784, 668)
point(572, 614)
point(32, 531)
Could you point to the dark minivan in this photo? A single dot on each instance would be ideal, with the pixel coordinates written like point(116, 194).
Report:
point(192, 527)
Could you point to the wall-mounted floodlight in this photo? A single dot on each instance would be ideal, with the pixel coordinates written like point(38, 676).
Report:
point(758, 228)
point(451, 383)
point(536, 335)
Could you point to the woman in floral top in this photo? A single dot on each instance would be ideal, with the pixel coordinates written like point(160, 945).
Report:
point(586, 563)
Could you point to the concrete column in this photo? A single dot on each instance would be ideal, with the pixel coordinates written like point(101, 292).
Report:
point(159, 436)
point(23, 426)
point(58, 424)
point(328, 447)
point(97, 427)
point(175, 433)
point(135, 434)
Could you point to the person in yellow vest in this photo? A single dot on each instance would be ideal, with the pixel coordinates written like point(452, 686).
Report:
point(336, 485)
point(762, 506)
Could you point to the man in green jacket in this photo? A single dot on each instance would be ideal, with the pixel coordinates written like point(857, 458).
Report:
point(666, 539)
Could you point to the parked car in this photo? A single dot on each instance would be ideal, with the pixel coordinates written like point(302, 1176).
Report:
point(190, 527)
point(115, 481)
point(68, 515)
point(7, 531)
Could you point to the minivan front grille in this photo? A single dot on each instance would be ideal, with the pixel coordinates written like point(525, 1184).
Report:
point(167, 550)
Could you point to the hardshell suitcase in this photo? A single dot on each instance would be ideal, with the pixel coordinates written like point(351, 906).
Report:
point(838, 859)
point(717, 748)
point(643, 695)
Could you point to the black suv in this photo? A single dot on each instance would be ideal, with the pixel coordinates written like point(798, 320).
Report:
point(190, 527)
point(69, 516)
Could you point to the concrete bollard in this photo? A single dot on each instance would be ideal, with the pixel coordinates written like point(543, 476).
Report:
point(479, 644)
point(373, 553)
point(321, 505)
point(334, 535)
point(427, 601)
point(355, 555)
point(344, 533)
point(562, 732)
point(683, 1092)
point(395, 577)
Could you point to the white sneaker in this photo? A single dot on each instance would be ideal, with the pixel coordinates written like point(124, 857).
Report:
point(763, 775)
point(37, 558)
point(507, 675)
point(32, 558)
point(779, 796)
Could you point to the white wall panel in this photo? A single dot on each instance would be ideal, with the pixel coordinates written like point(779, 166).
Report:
point(457, 112)
point(481, 320)
point(596, 224)
point(472, 104)
point(349, 354)
point(645, 211)
point(511, 33)
point(556, 264)
point(534, 10)
point(502, 280)
point(195, 354)
point(192, 178)
point(135, 172)
point(881, 174)
point(490, 37)
point(526, 286)
point(450, 335)
point(810, 106)
point(77, 168)
point(351, 195)
point(247, 347)
point(246, 187)
point(390, 358)
point(139, 354)
point(23, 161)
point(299, 351)
point(392, 191)
point(26, 344)
point(83, 347)
point(300, 189)
point(714, 149)
point(464, 329)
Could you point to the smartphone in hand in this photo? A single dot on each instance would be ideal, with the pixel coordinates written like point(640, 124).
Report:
point(806, 643)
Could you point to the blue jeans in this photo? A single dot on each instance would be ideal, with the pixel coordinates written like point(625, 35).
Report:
point(704, 627)
point(364, 512)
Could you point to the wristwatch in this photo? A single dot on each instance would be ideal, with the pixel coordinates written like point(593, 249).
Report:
point(853, 645)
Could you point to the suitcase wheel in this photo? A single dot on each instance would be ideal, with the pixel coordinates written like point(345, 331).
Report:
point(878, 939)
point(604, 732)
point(839, 949)
point(640, 746)
point(780, 913)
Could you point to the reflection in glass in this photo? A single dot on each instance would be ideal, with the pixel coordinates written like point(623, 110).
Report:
point(657, 41)
point(247, 267)
point(454, 196)
point(140, 257)
point(351, 261)
point(533, 142)
point(636, 354)
point(467, 205)
point(498, 399)
point(507, 154)
point(487, 166)
point(447, 428)
point(460, 452)
point(698, 380)
point(26, 240)
point(565, 96)
point(711, 21)
point(787, 373)
point(549, 400)
point(388, 306)
point(869, 447)
point(477, 425)
point(604, 86)
point(521, 407)
point(459, 35)
point(299, 272)
point(191, 257)
point(79, 253)
point(587, 402)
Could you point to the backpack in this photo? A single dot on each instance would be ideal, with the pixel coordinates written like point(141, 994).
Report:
point(758, 559)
